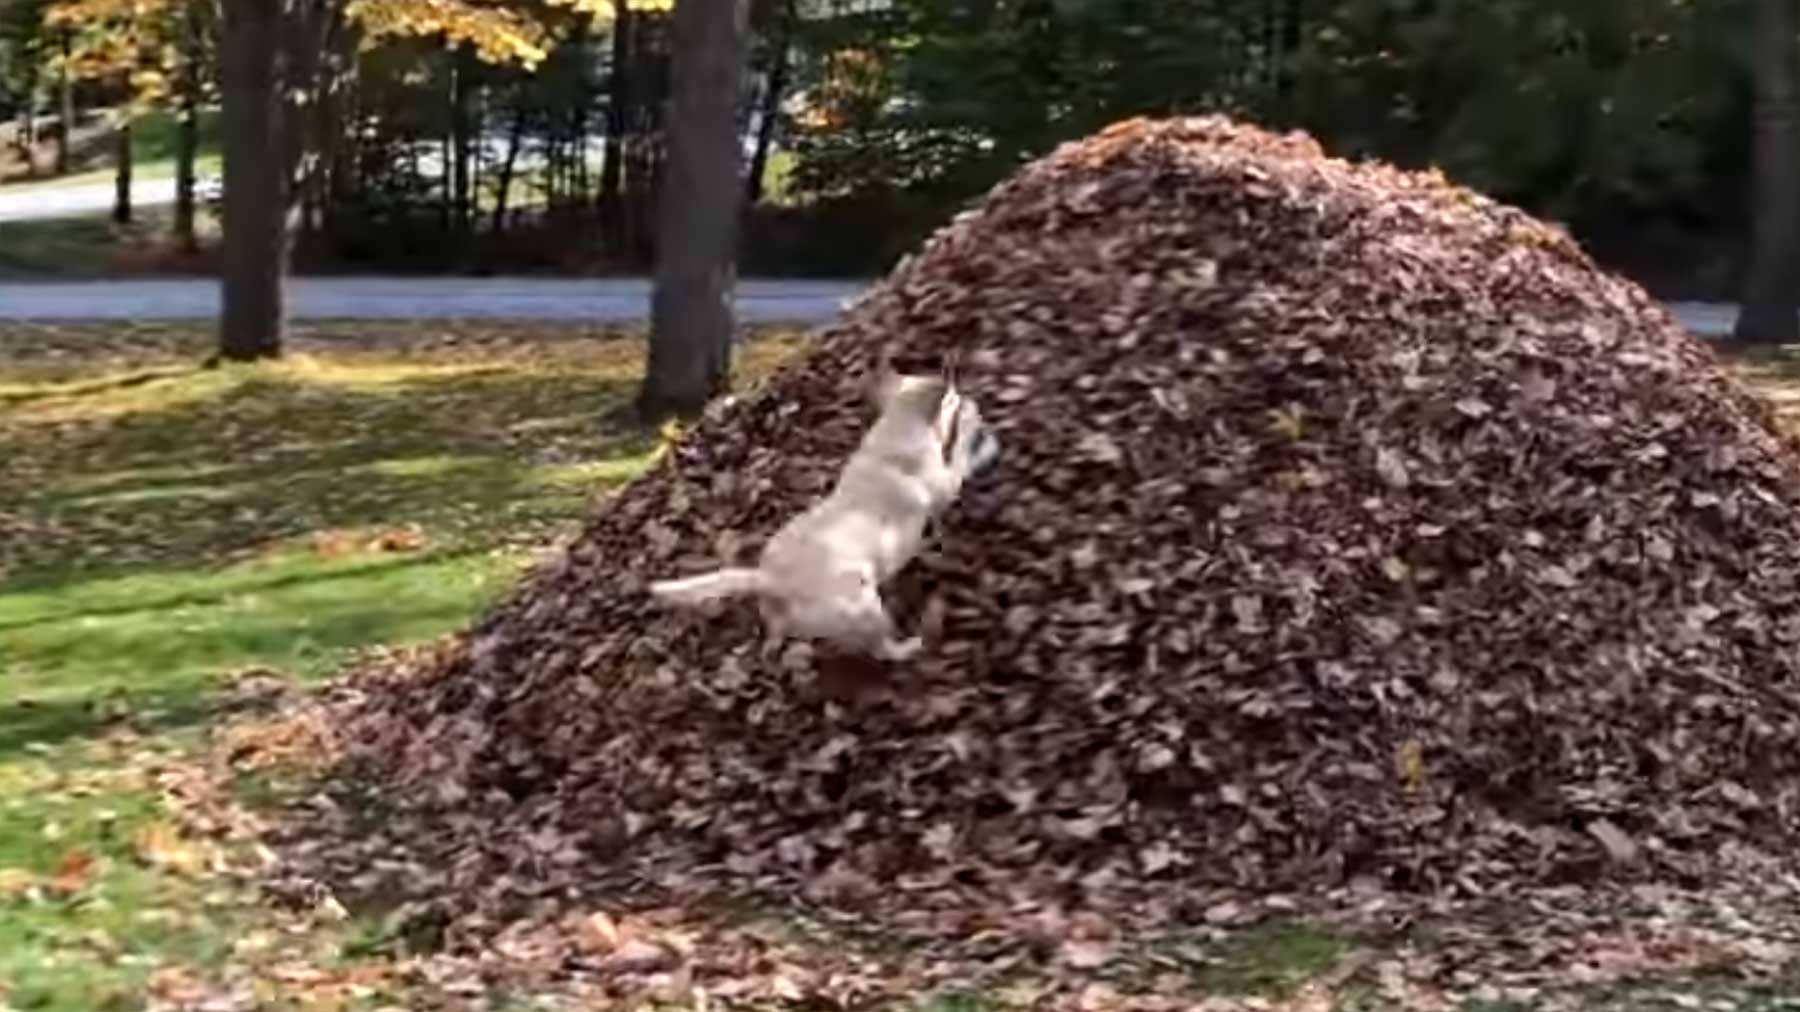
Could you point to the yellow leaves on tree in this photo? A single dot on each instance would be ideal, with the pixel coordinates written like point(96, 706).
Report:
point(853, 78)
point(500, 32)
point(135, 39)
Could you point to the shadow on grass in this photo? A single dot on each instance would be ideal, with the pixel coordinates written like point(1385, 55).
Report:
point(200, 471)
point(67, 607)
point(29, 724)
point(101, 386)
point(71, 672)
point(158, 533)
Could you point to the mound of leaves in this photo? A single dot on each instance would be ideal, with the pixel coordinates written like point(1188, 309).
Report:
point(1352, 531)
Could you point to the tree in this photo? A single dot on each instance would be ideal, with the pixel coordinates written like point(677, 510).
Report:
point(775, 82)
point(196, 39)
point(24, 55)
point(158, 48)
point(271, 56)
point(256, 65)
point(618, 122)
point(65, 96)
point(697, 212)
point(122, 170)
point(1770, 313)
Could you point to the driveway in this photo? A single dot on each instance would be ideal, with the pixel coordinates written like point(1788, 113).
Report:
point(609, 300)
point(31, 202)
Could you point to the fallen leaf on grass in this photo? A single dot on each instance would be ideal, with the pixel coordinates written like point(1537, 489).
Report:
point(176, 985)
point(334, 544)
point(160, 845)
point(409, 538)
point(74, 873)
point(16, 883)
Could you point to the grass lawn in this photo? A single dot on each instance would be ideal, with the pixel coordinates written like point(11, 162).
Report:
point(167, 532)
point(163, 526)
point(91, 245)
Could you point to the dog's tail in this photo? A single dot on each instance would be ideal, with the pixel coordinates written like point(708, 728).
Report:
point(695, 590)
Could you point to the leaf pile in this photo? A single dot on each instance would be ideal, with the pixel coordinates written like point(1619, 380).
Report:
point(1352, 532)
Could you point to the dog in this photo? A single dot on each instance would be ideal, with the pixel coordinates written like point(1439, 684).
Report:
point(820, 576)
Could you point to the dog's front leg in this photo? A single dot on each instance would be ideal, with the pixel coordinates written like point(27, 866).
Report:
point(973, 447)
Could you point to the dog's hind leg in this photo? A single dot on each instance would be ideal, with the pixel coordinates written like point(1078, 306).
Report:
point(775, 626)
point(876, 630)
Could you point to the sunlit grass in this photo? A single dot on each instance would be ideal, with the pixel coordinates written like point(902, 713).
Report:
point(163, 526)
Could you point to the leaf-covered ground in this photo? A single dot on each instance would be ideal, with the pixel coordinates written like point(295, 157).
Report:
point(179, 545)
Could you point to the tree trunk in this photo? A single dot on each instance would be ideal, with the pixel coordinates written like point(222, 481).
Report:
point(187, 136)
point(1769, 307)
point(504, 188)
point(773, 92)
point(580, 193)
point(28, 124)
point(65, 87)
point(618, 104)
point(187, 147)
point(122, 171)
point(463, 134)
point(256, 181)
point(337, 134)
point(697, 212)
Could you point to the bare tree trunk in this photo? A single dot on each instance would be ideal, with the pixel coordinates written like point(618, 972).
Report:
point(773, 92)
point(65, 87)
point(504, 190)
point(618, 104)
point(697, 212)
point(28, 124)
point(187, 147)
point(337, 140)
point(122, 172)
point(462, 126)
point(580, 193)
point(1769, 307)
point(253, 320)
point(187, 134)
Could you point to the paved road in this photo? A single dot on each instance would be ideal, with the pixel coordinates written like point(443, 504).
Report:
point(31, 202)
point(609, 300)
point(603, 300)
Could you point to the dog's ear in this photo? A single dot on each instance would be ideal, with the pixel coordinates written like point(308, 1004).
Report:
point(883, 382)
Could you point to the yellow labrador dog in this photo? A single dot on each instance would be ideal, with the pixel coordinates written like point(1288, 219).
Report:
point(820, 576)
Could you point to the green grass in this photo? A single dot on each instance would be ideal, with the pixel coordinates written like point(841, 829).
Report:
point(163, 526)
point(1270, 960)
point(89, 245)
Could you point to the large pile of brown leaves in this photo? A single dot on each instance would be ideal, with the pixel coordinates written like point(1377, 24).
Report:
point(1352, 531)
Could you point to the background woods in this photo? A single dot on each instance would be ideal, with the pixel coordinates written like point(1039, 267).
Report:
point(532, 135)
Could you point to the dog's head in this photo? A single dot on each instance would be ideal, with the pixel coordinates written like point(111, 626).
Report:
point(929, 398)
point(917, 390)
